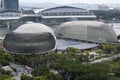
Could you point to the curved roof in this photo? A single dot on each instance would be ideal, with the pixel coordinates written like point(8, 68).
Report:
point(94, 31)
point(30, 38)
point(31, 27)
point(62, 7)
point(63, 44)
point(84, 23)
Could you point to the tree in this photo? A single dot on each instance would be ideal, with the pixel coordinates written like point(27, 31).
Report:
point(41, 78)
point(5, 58)
point(40, 71)
point(24, 77)
point(52, 76)
point(78, 71)
point(107, 48)
point(5, 77)
point(118, 37)
point(107, 15)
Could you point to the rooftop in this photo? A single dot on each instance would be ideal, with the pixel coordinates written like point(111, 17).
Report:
point(84, 23)
point(64, 44)
point(31, 27)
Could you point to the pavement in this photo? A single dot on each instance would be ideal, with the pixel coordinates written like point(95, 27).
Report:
point(111, 58)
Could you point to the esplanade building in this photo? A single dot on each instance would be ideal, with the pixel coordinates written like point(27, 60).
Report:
point(90, 31)
point(30, 38)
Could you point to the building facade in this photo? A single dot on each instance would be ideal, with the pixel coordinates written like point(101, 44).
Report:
point(9, 13)
point(66, 12)
point(92, 31)
point(58, 15)
point(10, 5)
point(30, 38)
point(9, 10)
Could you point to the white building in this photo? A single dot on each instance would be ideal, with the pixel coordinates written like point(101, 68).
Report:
point(9, 14)
point(66, 12)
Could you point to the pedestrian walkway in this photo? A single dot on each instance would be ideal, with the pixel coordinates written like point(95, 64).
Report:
point(111, 58)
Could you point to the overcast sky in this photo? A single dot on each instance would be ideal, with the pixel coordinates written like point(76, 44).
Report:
point(74, 1)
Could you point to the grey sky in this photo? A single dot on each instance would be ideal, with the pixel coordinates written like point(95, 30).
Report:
point(74, 1)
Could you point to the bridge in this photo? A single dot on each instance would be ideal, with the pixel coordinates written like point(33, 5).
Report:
point(42, 16)
point(18, 17)
point(81, 16)
point(109, 58)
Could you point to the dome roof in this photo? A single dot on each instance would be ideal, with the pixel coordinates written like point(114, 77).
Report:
point(94, 31)
point(83, 23)
point(30, 38)
point(31, 27)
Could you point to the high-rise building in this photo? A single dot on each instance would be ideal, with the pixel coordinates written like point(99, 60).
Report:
point(0, 4)
point(10, 5)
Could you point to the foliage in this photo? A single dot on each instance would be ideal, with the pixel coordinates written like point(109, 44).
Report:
point(117, 60)
point(78, 71)
point(80, 58)
point(5, 77)
point(99, 51)
point(116, 67)
point(73, 66)
point(110, 48)
point(118, 37)
point(74, 50)
point(35, 60)
point(52, 76)
point(41, 78)
point(10, 78)
point(5, 58)
point(24, 77)
point(107, 15)
point(40, 71)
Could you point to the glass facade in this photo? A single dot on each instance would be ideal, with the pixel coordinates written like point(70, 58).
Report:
point(30, 38)
point(10, 5)
point(66, 13)
point(87, 30)
point(29, 43)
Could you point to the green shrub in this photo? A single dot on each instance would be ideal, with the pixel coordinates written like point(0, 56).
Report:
point(24, 77)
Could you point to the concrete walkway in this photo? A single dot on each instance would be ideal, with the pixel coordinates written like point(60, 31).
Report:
point(111, 58)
